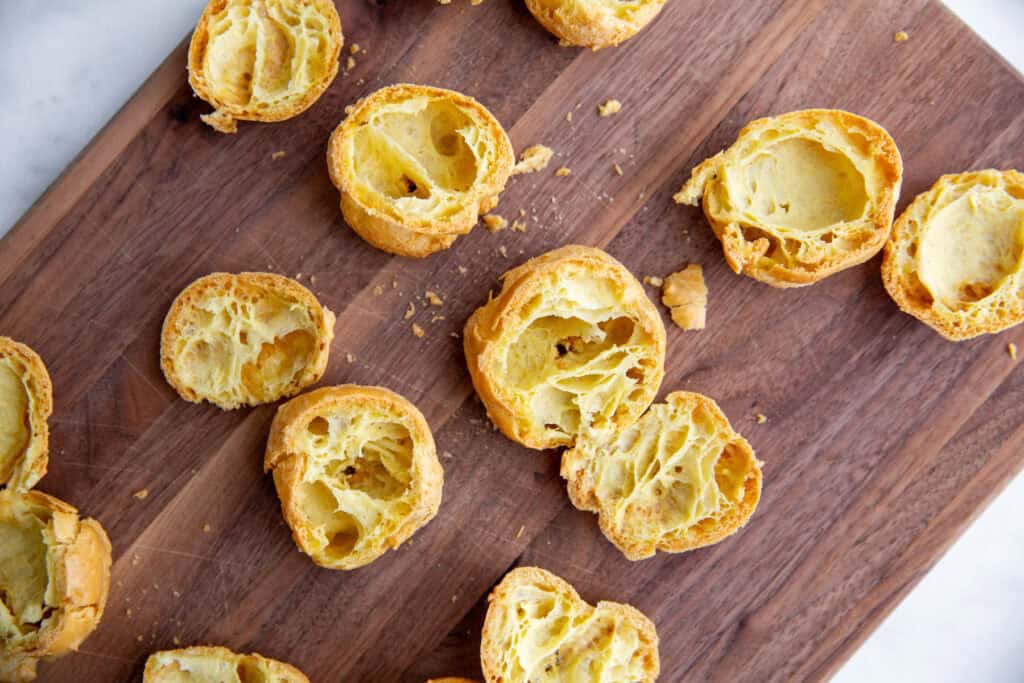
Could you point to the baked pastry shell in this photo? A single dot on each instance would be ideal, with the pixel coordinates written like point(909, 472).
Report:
point(280, 671)
point(26, 364)
point(584, 24)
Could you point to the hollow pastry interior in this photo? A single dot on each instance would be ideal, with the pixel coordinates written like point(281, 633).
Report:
point(538, 629)
point(217, 665)
point(678, 479)
point(15, 425)
point(260, 53)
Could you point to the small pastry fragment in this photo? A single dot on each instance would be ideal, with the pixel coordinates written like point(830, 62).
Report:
point(417, 166)
point(244, 339)
point(680, 478)
point(212, 664)
point(263, 60)
point(532, 159)
point(955, 260)
point(538, 628)
point(686, 296)
point(594, 23)
point(26, 402)
point(54, 578)
point(570, 345)
point(800, 196)
point(356, 470)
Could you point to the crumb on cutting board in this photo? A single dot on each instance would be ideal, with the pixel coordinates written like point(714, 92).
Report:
point(532, 159)
point(609, 108)
point(686, 295)
point(494, 222)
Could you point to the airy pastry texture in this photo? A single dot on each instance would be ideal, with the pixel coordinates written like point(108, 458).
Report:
point(800, 196)
point(26, 401)
point(208, 664)
point(678, 479)
point(539, 630)
point(263, 60)
point(244, 339)
point(54, 577)
point(356, 470)
point(416, 166)
point(594, 23)
point(571, 344)
point(955, 260)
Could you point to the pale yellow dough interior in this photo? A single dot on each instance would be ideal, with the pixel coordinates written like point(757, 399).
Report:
point(261, 52)
point(14, 419)
point(251, 345)
point(24, 575)
point(971, 245)
point(669, 472)
point(356, 490)
point(417, 157)
point(196, 668)
point(579, 357)
point(797, 184)
point(548, 638)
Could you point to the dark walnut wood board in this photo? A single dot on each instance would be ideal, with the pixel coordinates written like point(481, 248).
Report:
point(883, 440)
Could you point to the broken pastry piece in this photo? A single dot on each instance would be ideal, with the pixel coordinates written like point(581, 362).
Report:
point(244, 339)
point(210, 664)
point(570, 345)
point(532, 159)
point(800, 196)
point(263, 60)
point(686, 296)
point(594, 23)
point(356, 470)
point(54, 578)
point(955, 260)
point(538, 629)
point(416, 167)
point(26, 401)
point(678, 479)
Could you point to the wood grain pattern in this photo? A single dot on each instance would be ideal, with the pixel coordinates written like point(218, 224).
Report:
point(883, 440)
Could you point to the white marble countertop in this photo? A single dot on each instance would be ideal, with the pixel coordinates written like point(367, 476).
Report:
point(63, 79)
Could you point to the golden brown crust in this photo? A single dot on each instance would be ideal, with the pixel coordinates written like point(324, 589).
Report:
point(416, 199)
point(643, 507)
point(277, 340)
point(215, 664)
point(838, 176)
point(535, 293)
point(233, 95)
point(75, 555)
point(594, 23)
point(510, 613)
point(955, 260)
point(372, 453)
point(24, 464)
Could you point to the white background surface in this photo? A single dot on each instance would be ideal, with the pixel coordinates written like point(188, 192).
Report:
point(66, 66)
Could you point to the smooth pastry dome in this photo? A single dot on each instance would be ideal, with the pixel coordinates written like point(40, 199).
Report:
point(955, 259)
point(244, 339)
point(207, 664)
point(416, 166)
point(26, 401)
point(572, 344)
point(800, 196)
point(539, 630)
point(594, 23)
point(54, 577)
point(356, 470)
point(263, 60)
point(678, 479)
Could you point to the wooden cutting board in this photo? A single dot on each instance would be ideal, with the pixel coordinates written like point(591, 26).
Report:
point(882, 442)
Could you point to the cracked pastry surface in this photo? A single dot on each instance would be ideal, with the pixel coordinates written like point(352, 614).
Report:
point(54, 578)
point(594, 23)
point(955, 260)
point(678, 479)
point(263, 60)
point(416, 166)
point(539, 630)
point(211, 664)
point(570, 345)
point(800, 196)
point(244, 339)
point(356, 470)
point(26, 402)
